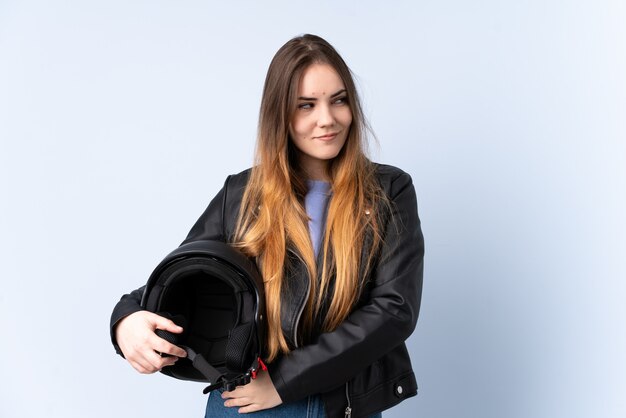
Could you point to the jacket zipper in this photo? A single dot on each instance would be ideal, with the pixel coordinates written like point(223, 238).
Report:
point(295, 328)
point(308, 292)
point(348, 408)
point(306, 298)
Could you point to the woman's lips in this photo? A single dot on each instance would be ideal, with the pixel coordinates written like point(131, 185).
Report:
point(327, 137)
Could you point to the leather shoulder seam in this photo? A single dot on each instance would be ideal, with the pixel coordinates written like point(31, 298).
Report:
point(224, 208)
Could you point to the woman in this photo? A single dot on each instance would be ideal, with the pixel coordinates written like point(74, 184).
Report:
point(337, 239)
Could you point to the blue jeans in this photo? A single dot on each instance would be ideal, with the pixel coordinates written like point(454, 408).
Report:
point(310, 407)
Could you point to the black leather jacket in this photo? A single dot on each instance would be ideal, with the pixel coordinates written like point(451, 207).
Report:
point(364, 364)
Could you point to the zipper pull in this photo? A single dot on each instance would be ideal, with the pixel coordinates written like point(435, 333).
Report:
point(348, 408)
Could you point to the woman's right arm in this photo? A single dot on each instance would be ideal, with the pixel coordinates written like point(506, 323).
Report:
point(133, 329)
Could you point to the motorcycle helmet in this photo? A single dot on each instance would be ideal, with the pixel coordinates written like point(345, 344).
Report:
point(216, 294)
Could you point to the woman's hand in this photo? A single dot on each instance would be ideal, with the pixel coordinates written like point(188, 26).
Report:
point(139, 344)
point(257, 395)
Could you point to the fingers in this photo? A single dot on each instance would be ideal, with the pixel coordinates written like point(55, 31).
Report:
point(138, 342)
point(257, 395)
point(236, 397)
point(163, 346)
point(137, 366)
point(249, 408)
point(151, 362)
point(165, 324)
point(157, 362)
point(232, 394)
point(244, 401)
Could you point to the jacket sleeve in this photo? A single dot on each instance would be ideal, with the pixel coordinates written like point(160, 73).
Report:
point(208, 227)
point(383, 322)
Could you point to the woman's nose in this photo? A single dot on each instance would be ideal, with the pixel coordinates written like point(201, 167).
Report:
point(325, 117)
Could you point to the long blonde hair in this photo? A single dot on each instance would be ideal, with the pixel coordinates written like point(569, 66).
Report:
point(273, 224)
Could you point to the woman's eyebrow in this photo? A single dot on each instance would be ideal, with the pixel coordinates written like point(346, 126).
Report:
point(313, 98)
point(338, 93)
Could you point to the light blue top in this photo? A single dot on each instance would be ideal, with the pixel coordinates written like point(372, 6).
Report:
point(316, 205)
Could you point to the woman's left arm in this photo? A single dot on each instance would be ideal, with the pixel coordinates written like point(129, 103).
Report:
point(386, 320)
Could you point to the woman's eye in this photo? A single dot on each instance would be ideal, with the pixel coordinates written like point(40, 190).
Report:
point(341, 100)
point(305, 106)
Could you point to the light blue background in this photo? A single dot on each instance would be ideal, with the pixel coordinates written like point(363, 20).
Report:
point(119, 120)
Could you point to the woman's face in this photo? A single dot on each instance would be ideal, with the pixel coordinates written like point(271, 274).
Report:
point(321, 122)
